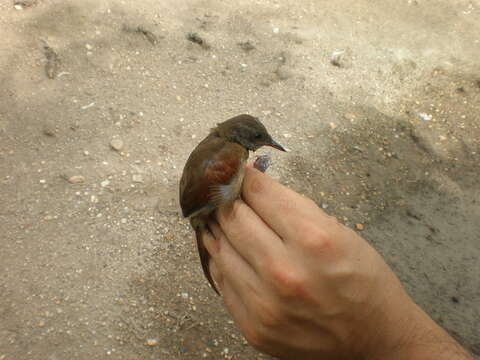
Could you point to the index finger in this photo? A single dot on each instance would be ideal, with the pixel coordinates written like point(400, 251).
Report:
point(278, 206)
point(248, 234)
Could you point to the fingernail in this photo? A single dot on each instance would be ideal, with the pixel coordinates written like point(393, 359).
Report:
point(215, 229)
point(217, 277)
point(210, 242)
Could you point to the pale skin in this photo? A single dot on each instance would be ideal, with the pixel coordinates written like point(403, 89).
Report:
point(299, 285)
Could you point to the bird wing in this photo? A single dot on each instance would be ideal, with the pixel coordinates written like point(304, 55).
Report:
point(214, 162)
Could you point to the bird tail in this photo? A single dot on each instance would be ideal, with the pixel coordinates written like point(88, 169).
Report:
point(204, 257)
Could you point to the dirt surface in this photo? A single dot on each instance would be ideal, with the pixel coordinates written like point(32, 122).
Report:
point(102, 101)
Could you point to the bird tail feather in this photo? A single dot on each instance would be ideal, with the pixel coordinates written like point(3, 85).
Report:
point(204, 257)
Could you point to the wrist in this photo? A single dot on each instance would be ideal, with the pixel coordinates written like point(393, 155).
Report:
point(417, 337)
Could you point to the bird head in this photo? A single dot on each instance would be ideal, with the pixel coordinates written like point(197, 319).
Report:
point(247, 131)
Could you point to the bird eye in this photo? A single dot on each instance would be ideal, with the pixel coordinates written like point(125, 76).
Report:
point(258, 136)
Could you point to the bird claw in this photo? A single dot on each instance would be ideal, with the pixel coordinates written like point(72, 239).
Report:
point(262, 162)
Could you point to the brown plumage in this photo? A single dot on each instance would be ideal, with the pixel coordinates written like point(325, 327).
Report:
point(213, 174)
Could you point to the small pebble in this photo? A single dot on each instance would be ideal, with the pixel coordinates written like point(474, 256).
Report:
point(336, 59)
point(425, 117)
point(246, 46)
point(152, 342)
point(283, 74)
point(76, 179)
point(117, 144)
point(22, 4)
point(359, 227)
point(137, 178)
point(104, 183)
point(49, 129)
point(197, 39)
point(88, 106)
point(88, 46)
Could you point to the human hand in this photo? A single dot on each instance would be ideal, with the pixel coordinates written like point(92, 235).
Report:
point(299, 285)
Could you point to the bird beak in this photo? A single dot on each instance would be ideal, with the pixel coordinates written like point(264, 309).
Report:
point(277, 146)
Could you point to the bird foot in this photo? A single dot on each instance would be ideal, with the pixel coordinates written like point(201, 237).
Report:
point(262, 162)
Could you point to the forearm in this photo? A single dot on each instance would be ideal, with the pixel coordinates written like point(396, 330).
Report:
point(440, 348)
point(425, 340)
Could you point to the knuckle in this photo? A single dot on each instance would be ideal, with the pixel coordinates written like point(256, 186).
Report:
point(253, 185)
point(316, 238)
point(268, 315)
point(255, 337)
point(288, 281)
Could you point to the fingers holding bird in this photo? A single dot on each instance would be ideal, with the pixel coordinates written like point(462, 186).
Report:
point(249, 236)
point(225, 261)
point(282, 209)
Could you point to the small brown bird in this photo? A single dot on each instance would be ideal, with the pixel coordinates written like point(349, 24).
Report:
point(213, 174)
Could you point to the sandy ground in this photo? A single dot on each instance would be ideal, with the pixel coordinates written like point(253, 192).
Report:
point(379, 101)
